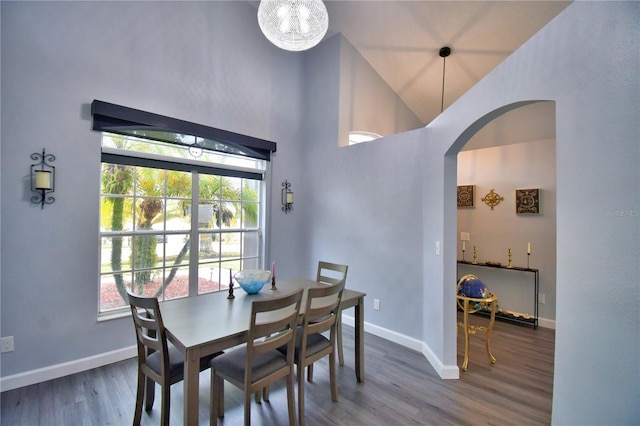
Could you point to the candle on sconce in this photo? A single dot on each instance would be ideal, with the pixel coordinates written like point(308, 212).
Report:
point(43, 179)
point(464, 246)
point(528, 248)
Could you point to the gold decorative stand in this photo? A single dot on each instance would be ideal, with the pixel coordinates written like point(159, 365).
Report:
point(464, 302)
point(273, 283)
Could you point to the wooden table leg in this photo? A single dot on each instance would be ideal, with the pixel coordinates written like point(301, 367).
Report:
point(191, 386)
point(359, 340)
point(465, 362)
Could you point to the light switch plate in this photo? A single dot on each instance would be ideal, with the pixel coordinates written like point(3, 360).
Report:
point(464, 236)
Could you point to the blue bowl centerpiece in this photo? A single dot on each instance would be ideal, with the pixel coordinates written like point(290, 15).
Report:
point(252, 280)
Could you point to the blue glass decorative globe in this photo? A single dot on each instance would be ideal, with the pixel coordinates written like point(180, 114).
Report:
point(471, 286)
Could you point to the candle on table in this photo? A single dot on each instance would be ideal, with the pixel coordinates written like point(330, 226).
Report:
point(230, 277)
point(273, 269)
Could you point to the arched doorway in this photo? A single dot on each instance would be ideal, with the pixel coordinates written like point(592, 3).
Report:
point(513, 150)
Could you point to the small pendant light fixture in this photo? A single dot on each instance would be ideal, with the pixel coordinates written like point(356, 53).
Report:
point(293, 24)
point(444, 52)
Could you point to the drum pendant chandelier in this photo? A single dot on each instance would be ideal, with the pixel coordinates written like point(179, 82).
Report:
point(293, 24)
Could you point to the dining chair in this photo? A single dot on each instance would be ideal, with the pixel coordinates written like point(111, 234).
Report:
point(257, 364)
point(321, 312)
point(158, 360)
point(331, 274)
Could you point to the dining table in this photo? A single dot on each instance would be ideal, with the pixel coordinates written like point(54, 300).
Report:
point(210, 323)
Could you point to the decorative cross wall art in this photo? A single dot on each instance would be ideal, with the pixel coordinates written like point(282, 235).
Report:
point(492, 199)
point(466, 195)
point(528, 201)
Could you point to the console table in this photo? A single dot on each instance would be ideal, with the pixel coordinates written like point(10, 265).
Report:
point(507, 317)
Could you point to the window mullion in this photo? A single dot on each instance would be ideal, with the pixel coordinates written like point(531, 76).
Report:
point(194, 237)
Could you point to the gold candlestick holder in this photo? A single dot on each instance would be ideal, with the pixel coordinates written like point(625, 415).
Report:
point(463, 255)
point(509, 265)
point(475, 256)
point(528, 256)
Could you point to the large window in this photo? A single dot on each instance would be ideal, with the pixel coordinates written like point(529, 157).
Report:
point(154, 242)
point(181, 205)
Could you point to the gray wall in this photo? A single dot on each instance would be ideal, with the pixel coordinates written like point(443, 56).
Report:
point(171, 58)
point(379, 207)
point(493, 231)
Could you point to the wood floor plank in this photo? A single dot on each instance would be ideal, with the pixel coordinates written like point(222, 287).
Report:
point(401, 388)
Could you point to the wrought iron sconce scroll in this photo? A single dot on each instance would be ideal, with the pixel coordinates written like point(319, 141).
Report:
point(43, 178)
point(287, 196)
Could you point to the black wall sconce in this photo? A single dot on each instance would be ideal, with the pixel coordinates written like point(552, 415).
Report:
point(287, 196)
point(43, 178)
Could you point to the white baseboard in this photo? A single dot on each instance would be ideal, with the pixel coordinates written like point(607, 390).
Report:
point(444, 371)
point(547, 323)
point(60, 370)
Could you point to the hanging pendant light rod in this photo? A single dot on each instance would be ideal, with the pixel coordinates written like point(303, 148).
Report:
point(444, 52)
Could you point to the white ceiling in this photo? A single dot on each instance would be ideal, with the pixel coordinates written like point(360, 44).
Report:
point(401, 40)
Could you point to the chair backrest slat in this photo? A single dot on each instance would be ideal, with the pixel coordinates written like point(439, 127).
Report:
point(331, 273)
point(321, 310)
point(275, 328)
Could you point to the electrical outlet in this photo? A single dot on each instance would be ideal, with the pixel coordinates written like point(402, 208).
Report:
point(437, 248)
point(376, 304)
point(542, 299)
point(6, 344)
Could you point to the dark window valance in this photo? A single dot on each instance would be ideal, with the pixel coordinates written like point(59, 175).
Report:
point(108, 117)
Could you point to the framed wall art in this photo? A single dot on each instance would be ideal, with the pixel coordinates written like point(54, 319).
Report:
point(466, 195)
point(528, 201)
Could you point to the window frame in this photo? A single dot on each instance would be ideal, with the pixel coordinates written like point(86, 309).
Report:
point(123, 121)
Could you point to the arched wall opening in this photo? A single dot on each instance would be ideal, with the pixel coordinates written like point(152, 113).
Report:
point(450, 225)
point(513, 151)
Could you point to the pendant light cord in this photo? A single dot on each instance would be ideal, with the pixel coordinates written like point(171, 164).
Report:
point(444, 63)
point(444, 52)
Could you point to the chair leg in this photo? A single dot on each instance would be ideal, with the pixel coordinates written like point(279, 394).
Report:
point(265, 393)
point(165, 409)
point(217, 398)
point(291, 398)
point(247, 408)
point(339, 338)
point(300, 377)
point(258, 397)
point(310, 373)
point(332, 376)
point(150, 394)
point(137, 416)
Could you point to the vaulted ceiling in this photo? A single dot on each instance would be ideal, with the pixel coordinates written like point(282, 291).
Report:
point(401, 40)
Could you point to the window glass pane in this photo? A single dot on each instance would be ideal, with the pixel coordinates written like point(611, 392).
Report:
point(117, 179)
point(113, 291)
point(250, 244)
point(177, 216)
point(231, 247)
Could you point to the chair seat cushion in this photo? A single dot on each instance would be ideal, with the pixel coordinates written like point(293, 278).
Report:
point(315, 343)
point(176, 362)
point(233, 363)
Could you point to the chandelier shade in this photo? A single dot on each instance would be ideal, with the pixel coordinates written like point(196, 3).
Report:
point(293, 25)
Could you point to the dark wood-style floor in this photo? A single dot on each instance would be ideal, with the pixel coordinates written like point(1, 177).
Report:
point(400, 388)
